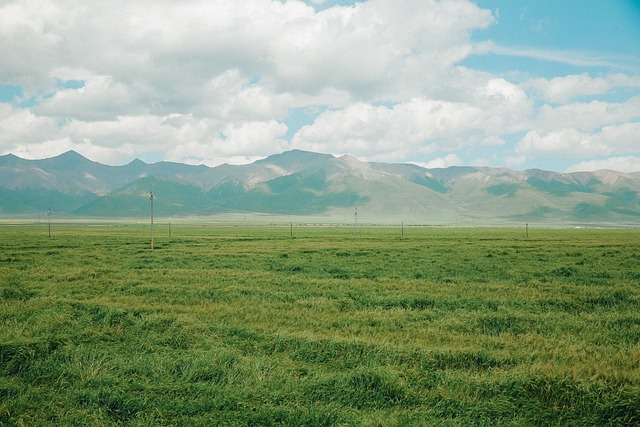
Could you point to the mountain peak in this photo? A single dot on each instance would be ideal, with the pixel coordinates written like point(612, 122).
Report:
point(66, 161)
point(136, 162)
point(71, 155)
point(294, 161)
point(294, 156)
point(9, 159)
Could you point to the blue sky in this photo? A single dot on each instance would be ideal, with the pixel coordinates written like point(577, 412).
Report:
point(550, 84)
point(593, 36)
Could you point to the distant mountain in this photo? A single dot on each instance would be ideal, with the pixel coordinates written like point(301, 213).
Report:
point(319, 186)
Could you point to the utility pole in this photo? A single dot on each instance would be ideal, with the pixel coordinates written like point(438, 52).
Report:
point(355, 219)
point(49, 220)
point(151, 198)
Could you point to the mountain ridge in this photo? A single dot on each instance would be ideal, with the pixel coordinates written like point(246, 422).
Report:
point(307, 184)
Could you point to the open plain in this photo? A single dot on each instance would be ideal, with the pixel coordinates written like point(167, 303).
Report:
point(319, 326)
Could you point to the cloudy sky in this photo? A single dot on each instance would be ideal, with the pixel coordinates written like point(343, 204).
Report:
point(550, 84)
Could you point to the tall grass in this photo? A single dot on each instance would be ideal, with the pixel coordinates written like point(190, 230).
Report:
point(335, 326)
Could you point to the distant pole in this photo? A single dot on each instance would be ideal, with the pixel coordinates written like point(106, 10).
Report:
point(49, 220)
point(151, 198)
point(292, 230)
point(526, 229)
point(402, 226)
point(169, 229)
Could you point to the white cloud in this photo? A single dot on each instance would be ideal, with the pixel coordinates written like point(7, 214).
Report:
point(179, 137)
point(561, 142)
point(565, 88)
point(233, 143)
point(620, 164)
point(101, 98)
point(571, 142)
point(23, 126)
point(442, 162)
point(212, 82)
point(29, 41)
point(624, 138)
point(515, 160)
point(570, 57)
point(376, 48)
point(224, 64)
point(588, 116)
point(419, 125)
point(175, 48)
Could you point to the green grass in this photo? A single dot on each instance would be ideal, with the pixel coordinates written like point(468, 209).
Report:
point(335, 326)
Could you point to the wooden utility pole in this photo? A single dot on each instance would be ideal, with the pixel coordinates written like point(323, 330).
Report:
point(151, 198)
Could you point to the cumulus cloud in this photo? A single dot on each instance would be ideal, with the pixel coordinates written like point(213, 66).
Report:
point(442, 162)
point(213, 82)
point(563, 89)
point(621, 164)
point(566, 88)
point(100, 98)
point(587, 116)
point(571, 142)
point(175, 48)
point(23, 126)
point(515, 160)
point(419, 125)
point(237, 143)
point(227, 65)
point(561, 142)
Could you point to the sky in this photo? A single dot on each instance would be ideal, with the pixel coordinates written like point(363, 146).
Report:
point(548, 84)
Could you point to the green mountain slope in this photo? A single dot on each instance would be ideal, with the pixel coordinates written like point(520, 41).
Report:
point(301, 183)
point(40, 200)
point(171, 198)
point(294, 194)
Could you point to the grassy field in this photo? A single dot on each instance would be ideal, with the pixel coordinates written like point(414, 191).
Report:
point(335, 326)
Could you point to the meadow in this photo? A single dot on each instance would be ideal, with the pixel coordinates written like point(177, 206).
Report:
point(322, 326)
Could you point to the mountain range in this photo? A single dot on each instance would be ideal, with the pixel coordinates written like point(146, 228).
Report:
point(320, 188)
